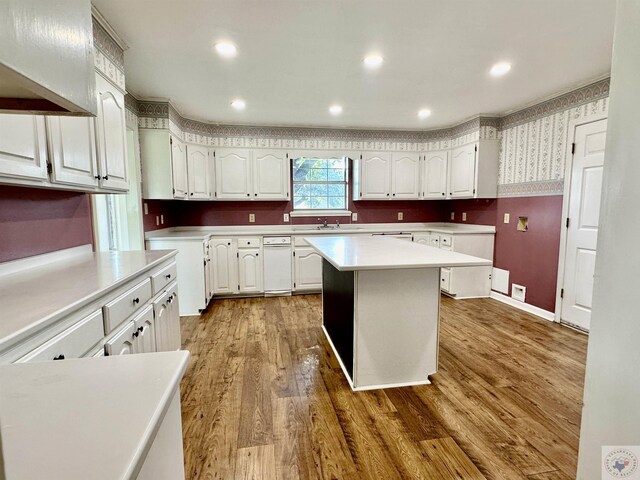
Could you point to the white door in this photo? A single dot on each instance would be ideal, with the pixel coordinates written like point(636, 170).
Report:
point(111, 134)
point(375, 176)
point(250, 270)
point(307, 266)
point(584, 211)
point(271, 173)
point(463, 172)
point(198, 171)
point(435, 175)
point(179, 168)
point(233, 174)
point(72, 145)
point(225, 266)
point(23, 147)
point(405, 176)
point(122, 342)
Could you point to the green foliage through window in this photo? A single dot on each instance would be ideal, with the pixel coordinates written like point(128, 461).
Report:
point(319, 183)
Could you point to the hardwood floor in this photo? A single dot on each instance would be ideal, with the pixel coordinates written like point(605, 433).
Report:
point(265, 398)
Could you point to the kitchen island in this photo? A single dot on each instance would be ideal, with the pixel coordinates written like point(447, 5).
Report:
point(381, 307)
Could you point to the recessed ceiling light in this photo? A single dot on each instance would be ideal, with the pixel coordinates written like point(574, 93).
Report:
point(424, 113)
point(373, 61)
point(238, 104)
point(226, 49)
point(335, 109)
point(500, 69)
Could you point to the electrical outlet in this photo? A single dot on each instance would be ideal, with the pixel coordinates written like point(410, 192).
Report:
point(464, 216)
point(286, 217)
point(146, 208)
point(354, 217)
point(252, 218)
point(506, 218)
point(400, 216)
point(162, 219)
point(157, 221)
point(453, 215)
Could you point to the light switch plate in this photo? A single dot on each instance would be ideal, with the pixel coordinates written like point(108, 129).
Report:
point(354, 217)
point(453, 215)
point(464, 216)
point(506, 218)
point(157, 220)
point(252, 218)
point(146, 208)
point(400, 216)
point(162, 219)
point(286, 217)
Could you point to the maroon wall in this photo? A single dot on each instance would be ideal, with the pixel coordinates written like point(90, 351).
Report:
point(35, 221)
point(163, 209)
point(532, 256)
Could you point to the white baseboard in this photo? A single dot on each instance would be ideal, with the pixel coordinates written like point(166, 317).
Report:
point(545, 314)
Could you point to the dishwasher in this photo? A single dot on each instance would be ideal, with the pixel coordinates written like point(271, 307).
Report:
point(277, 266)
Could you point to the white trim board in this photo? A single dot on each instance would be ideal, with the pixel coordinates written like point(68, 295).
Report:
point(537, 311)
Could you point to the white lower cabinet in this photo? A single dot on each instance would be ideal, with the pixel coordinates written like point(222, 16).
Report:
point(224, 257)
point(422, 238)
point(307, 268)
point(167, 320)
point(250, 270)
point(122, 342)
point(144, 336)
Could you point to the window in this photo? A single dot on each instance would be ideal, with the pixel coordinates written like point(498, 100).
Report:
point(320, 183)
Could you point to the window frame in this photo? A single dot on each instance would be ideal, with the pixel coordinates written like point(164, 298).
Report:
point(302, 212)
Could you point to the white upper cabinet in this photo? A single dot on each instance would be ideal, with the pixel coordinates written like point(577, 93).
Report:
point(112, 137)
point(243, 174)
point(405, 176)
point(233, 174)
point(198, 172)
point(23, 147)
point(179, 169)
point(72, 146)
point(271, 175)
point(463, 172)
point(250, 270)
point(435, 175)
point(372, 176)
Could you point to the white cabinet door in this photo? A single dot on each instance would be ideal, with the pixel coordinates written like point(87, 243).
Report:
point(144, 335)
point(23, 147)
point(172, 322)
point(225, 266)
point(422, 238)
point(198, 171)
point(122, 342)
point(463, 172)
point(179, 168)
point(307, 266)
point(72, 145)
point(112, 137)
point(271, 175)
point(250, 270)
point(233, 174)
point(435, 175)
point(405, 176)
point(375, 176)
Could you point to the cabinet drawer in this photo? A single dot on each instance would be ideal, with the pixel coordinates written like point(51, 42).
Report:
point(434, 240)
point(248, 242)
point(118, 310)
point(165, 276)
point(446, 247)
point(446, 240)
point(73, 342)
point(300, 242)
point(445, 279)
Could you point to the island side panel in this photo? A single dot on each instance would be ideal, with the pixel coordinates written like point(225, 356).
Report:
point(337, 311)
point(397, 325)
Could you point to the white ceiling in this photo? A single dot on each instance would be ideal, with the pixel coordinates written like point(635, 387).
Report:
point(297, 57)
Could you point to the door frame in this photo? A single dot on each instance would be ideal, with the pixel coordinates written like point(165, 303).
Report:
point(574, 123)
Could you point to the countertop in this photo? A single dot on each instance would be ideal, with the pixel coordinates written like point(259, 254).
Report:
point(347, 253)
point(85, 418)
point(37, 297)
point(202, 233)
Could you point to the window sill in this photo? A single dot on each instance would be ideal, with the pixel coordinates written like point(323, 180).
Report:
point(320, 213)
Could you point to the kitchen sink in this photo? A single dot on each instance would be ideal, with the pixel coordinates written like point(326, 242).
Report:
point(322, 228)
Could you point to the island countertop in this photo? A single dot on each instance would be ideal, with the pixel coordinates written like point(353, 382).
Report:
point(348, 253)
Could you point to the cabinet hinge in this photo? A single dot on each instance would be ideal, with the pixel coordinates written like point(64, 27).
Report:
point(294, 254)
point(360, 157)
point(573, 148)
point(294, 284)
point(174, 191)
point(49, 168)
point(237, 254)
point(474, 191)
point(238, 286)
point(562, 293)
point(476, 148)
point(567, 222)
point(170, 141)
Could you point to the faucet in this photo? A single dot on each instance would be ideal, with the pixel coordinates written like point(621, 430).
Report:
point(324, 223)
point(337, 223)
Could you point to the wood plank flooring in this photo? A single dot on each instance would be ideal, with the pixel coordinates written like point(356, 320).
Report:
point(264, 398)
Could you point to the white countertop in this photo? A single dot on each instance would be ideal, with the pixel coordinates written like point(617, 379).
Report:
point(202, 233)
point(378, 253)
point(37, 297)
point(85, 418)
